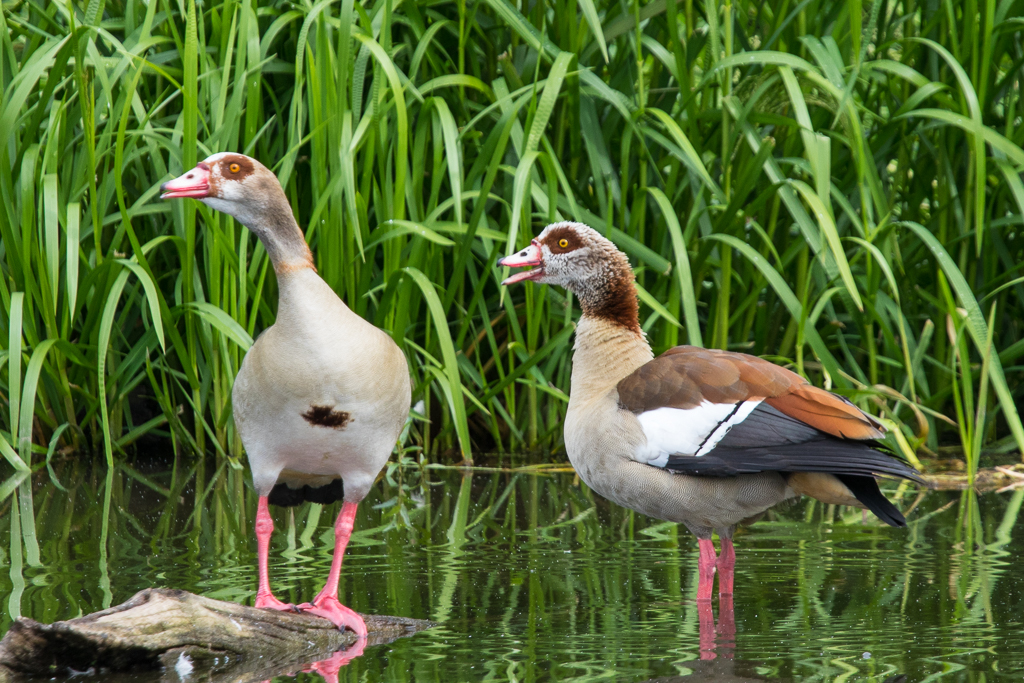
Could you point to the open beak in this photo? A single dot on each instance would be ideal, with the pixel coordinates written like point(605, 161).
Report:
point(531, 256)
point(195, 184)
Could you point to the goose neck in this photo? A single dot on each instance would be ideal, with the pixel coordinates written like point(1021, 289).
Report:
point(605, 352)
point(274, 223)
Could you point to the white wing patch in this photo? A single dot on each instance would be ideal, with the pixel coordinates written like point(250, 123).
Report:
point(689, 431)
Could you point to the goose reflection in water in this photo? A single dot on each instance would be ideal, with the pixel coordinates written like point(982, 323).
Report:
point(718, 648)
point(710, 634)
point(728, 670)
point(328, 667)
point(734, 671)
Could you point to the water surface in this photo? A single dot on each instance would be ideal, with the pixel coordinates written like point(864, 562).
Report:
point(532, 577)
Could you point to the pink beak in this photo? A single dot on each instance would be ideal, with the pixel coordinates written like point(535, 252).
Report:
point(195, 183)
point(531, 256)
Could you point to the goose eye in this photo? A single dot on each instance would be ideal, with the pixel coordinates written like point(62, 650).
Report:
point(234, 168)
point(563, 243)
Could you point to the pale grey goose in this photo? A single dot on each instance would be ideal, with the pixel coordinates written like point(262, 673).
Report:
point(322, 395)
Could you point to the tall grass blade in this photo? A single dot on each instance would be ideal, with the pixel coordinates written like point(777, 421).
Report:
point(451, 365)
point(976, 327)
point(14, 330)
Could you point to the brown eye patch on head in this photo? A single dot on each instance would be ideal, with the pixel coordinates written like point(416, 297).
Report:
point(562, 240)
point(235, 167)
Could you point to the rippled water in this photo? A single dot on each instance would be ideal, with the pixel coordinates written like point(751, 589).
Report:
point(531, 577)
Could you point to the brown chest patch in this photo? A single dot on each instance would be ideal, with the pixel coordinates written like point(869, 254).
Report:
point(326, 416)
point(612, 298)
point(620, 304)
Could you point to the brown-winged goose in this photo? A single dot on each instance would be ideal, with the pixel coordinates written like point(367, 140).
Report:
point(703, 437)
point(322, 395)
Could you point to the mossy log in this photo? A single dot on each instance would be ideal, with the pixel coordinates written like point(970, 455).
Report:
point(998, 479)
point(186, 636)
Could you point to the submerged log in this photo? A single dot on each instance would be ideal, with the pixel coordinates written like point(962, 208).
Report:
point(187, 634)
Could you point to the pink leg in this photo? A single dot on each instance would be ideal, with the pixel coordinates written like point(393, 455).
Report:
point(264, 527)
point(726, 565)
point(705, 569)
point(326, 604)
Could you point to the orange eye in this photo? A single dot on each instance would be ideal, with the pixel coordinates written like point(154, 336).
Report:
point(563, 243)
point(234, 168)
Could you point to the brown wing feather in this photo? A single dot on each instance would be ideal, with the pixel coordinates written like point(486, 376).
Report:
point(828, 412)
point(684, 376)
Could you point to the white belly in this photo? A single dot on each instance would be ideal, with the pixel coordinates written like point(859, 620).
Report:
point(321, 400)
point(282, 441)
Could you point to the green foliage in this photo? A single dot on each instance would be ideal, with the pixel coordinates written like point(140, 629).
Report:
point(831, 184)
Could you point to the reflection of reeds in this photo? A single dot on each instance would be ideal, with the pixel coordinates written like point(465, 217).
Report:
point(548, 579)
point(823, 186)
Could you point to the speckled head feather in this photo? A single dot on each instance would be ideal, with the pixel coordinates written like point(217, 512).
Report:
point(577, 257)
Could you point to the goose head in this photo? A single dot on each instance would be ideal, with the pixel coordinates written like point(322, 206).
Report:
point(582, 260)
point(244, 188)
point(571, 255)
point(234, 184)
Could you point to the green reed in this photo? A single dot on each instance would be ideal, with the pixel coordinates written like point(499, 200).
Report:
point(824, 183)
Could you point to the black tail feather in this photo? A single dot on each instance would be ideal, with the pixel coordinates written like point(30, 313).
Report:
point(866, 490)
point(285, 496)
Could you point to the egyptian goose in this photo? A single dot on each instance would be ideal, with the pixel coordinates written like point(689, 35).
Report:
point(703, 437)
point(322, 394)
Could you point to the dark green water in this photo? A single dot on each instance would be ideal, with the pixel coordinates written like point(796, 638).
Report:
point(531, 577)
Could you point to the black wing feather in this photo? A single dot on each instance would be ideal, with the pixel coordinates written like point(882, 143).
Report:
point(768, 426)
point(770, 441)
